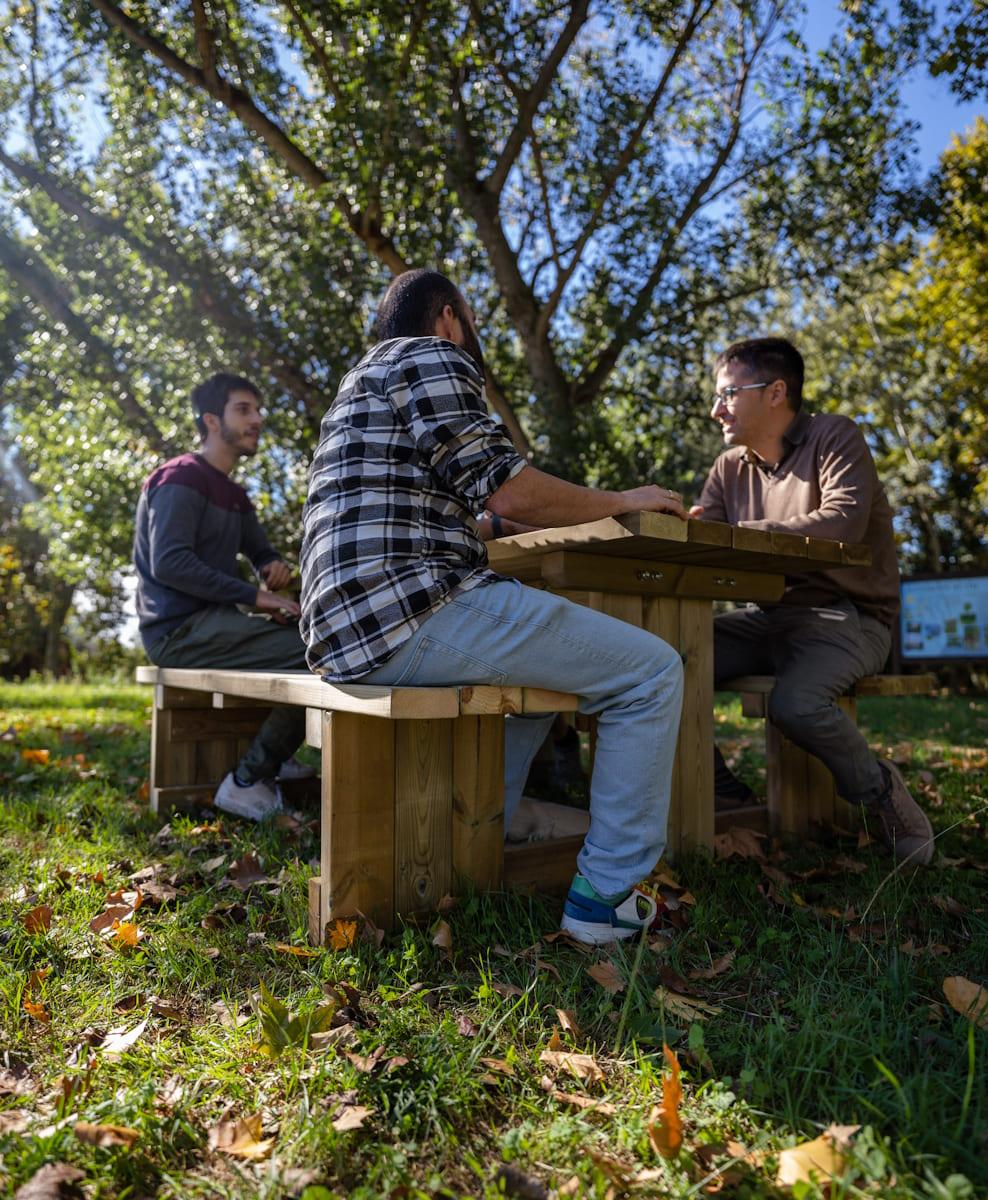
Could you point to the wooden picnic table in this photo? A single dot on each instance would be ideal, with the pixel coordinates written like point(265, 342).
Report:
point(663, 574)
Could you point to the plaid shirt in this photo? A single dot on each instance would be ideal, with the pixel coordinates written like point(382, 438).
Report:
point(407, 455)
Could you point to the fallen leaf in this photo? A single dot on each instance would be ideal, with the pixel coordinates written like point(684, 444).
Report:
point(14, 1120)
point(241, 1138)
point(968, 999)
point(687, 1008)
point(341, 934)
point(841, 1135)
point(447, 903)
point(297, 951)
point(38, 757)
point(665, 1126)
point(800, 1164)
point(507, 990)
point(717, 967)
point(369, 932)
point(465, 1026)
point(366, 1064)
point(56, 1181)
point(399, 1060)
point(607, 975)
point(127, 933)
point(36, 978)
point(247, 872)
point(38, 920)
point(745, 843)
point(568, 1021)
point(16, 1080)
point(576, 1100)
point(854, 865)
point(499, 1064)
point(352, 1117)
point(119, 1041)
point(442, 936)
point(37, 1012)
point(583, 1066)
point(950, 906)
point(105, 1135)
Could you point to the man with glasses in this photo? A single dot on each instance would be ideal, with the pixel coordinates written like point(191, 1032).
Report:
point(789, 470)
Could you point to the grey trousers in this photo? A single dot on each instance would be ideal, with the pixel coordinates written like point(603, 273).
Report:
point(816, 654)
point(221, 636)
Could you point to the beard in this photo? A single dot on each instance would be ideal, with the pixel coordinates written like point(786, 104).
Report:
point(245, 448)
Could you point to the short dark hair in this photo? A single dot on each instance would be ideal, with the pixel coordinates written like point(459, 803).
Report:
point(212, 395)
point(770, 356)
point(413, 302)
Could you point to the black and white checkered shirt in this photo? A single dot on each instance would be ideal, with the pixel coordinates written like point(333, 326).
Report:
point(408, 453)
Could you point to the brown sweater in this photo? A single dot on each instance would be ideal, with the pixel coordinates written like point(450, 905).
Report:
point(825, 486)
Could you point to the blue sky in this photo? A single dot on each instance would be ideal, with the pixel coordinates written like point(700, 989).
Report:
point(928, 101)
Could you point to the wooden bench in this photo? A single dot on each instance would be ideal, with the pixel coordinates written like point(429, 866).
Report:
point(412, 784)
point(799, 788)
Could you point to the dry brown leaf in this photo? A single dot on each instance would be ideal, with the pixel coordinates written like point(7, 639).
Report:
point(366, 1063)
point(341, 934)
point(16, 1080)
point(352, 1117)
point(745, 843)
point(399, 1060)
point(616, 1169)
point(968, 999)
point(119, 1041)
point(507, 990)
point(841, 1135)
point(819, 1159)
point(297, 951)
point(36, 1011)
point(55, 1181)
point(568, 1021)
point(576, 1100)
point(665, 1125)
point(607, 975)
point(542, 965)
point(447, 903)
point(465, 1026)
point(38, 920)
point(241, 1139)
point(687, 1008)
point(499, 1064)
point(14, 1120)
point(583, 1066)
point(247, 872)
point(442, 936)
point(105, 1135)
point(105, 921)
point(556, 1042)
point(717, 967)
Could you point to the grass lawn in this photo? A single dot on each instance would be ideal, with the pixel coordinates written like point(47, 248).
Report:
point(799, 989)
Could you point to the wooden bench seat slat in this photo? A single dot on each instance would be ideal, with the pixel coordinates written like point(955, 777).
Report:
point(870, 685)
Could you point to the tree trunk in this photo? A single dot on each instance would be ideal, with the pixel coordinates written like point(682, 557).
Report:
point(61, 603)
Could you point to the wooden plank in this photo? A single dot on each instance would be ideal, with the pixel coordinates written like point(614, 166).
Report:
point(751, 541)
point(221, 700)
point(544, 700)
point(786, 783)
point(789, 545)
point(182, 798)
point(658, 526)
point(895, 685)
point(315, 910)
point(310, 691)
point(215, 759)
point(820, 793)
point(173, 697)
point(753, 704)
point(847, 816)
point(598, 571)
point(855, 554)
point(423, 814)
point(478, 800)
point(696, 729)
point(661, 617)
point(172, 762)
point(357, 832)
point(210, 724)
point(313, 728)
point(750, 816)
point(622, 606)
point(714, 583)
point(824, 551)
point(480, 700)
point(544, 867)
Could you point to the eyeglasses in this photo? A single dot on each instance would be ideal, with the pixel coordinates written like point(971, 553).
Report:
point(729, 394)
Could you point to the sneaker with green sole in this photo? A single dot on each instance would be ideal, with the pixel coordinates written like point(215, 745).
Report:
point(589, 918)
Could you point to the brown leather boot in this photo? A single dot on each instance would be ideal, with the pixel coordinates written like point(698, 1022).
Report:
point(904, 826)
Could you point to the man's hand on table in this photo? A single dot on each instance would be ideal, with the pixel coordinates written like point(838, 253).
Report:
point(653, 498)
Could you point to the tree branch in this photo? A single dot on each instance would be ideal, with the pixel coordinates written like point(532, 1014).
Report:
point(43, 289)
point(365, 225)
point(494, 183)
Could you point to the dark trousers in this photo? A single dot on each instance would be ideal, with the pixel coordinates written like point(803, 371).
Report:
point(222, 637)
point(816, 654)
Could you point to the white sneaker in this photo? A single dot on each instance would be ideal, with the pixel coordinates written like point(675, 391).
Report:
point(254, 802)
point(291, 769)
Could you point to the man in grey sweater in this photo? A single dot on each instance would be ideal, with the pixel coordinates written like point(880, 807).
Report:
point(192, 523)
point(812, 474)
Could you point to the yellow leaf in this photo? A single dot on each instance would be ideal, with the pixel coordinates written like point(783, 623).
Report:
point(665, 1126)
point(499, 1064)
point(687, 1008)
point(341, 934)
point(298, 951)
point(126, 933)
point(352, 1117)
point(36, 978)
point(968, 999)
point(800, 1164)
point(106, 1135)
point(39, 757)
point(37, 1012)
point(241, 1139)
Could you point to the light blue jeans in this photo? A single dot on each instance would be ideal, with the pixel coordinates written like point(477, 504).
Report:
point(507, 633)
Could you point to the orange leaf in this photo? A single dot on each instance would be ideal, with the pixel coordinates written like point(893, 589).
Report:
point(106, 1135)
point(37, 1012)
point(38, 920)
point(36, 978)
point(126, 933)
point(39, 757)
point(665, 1127)
point(608, 976)
point(442, 936)
point(341, 934)
point(298, 951)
